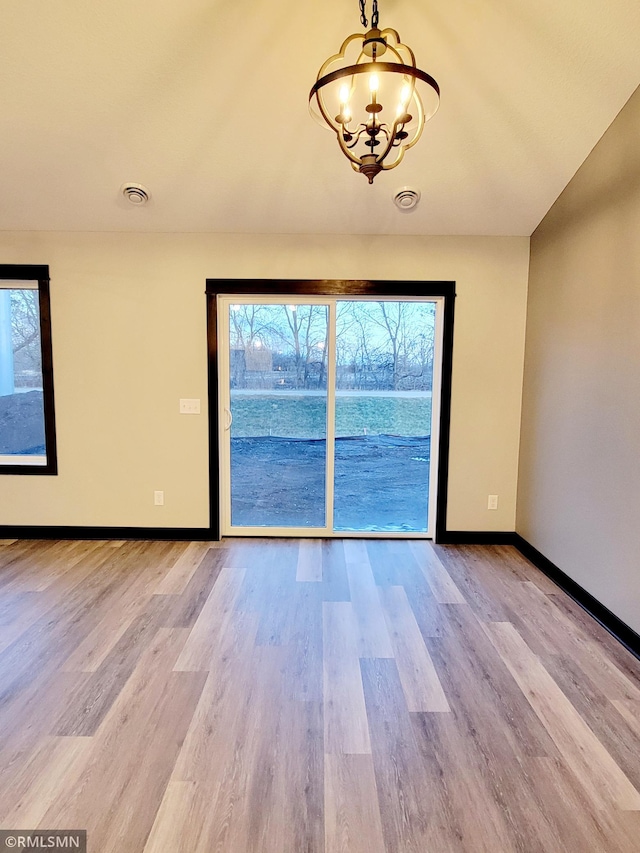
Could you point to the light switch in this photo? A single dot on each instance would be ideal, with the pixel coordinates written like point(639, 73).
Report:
point(189, 407)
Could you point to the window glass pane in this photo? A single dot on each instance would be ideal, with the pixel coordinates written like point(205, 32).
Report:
point(22, 421)
point(384, 382)
point(278, 392)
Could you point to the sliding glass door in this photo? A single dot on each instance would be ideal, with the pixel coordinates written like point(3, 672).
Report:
point(328, 409)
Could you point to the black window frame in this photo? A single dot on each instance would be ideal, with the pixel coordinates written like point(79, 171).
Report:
point(39, 273)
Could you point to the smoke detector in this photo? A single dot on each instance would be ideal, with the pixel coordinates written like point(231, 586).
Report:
point(406, 198)
point(136, 194)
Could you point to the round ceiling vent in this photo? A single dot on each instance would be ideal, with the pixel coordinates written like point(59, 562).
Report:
point(135, 193)
point(406, 198)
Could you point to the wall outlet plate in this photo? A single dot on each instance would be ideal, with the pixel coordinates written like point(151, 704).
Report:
point(492, 503)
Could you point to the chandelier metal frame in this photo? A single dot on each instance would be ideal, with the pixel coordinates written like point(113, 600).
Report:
point(395, 136)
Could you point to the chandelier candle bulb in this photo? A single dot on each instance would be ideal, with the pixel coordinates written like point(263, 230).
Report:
point(374, 70)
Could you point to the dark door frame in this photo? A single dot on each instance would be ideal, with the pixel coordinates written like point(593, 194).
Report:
point(330, 287)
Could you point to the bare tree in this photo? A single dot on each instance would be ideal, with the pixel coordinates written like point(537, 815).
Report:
point(379, 345)
point(307, 333)
point(25, 319)
point(389, 343)
point(294, 336)
point(25, 330)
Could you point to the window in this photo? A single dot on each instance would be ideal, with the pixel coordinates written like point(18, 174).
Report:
point(27, 427)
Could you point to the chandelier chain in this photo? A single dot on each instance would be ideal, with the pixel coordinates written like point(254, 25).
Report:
point(374, 14)
point(363, 14)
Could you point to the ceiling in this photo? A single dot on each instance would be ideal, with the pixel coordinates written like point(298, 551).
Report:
point(205, 103)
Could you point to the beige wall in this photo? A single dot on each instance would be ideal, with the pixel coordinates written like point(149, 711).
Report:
point(129, 338)
point(579, 484)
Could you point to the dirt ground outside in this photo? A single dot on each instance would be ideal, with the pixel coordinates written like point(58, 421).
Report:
point(22, 424)
point(381, 482)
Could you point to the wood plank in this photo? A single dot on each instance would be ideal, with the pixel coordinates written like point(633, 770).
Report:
point(187, 606)
point(593, 766)
point(420, 682)
point(262, 570)
point(29, 568)
point(36, 571)
point(488, 705)
point(297, 808)
point(345, 718)
point(179, 575)
point(406, 799)
point(620, 738)
point(468, 785)
point(525, 568)
point(444, 589)
point(603, 645)
point(276, 604)
point(355, 551)
point(180, 821)
point(269, 579)
point(335, 583)
point(25, 721)
point(630, 710)
point(266, 791)
point(484, 590)
point(372, 634)
point(352, 814)
point(578, 826)
point(87, 706)
point(243, 799)
point(430, 616)
point(309, 561)
point(34, 790)
point(303, 669)
point(99, 644)
point(385, 569)
point(133, 754)
point(40, 651)
point(115, 616)
point(19, 612)
point(208, 634)
point(228, 698)
point(547, 628)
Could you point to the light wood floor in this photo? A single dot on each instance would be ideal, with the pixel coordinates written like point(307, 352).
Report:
point(300, 697)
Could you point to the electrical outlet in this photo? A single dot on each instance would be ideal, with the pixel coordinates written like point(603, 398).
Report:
point(492, 502)
point(189, 407)
point(158, 498)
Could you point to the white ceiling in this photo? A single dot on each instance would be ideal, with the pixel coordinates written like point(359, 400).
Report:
point(205, 103)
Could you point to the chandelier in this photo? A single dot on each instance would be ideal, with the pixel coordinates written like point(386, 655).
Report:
point(373, 106)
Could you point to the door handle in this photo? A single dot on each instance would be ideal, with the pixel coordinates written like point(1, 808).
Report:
point(229, 417)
